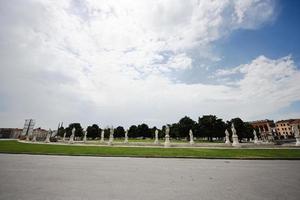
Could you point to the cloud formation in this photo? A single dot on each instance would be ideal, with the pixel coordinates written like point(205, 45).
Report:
point(111, 62)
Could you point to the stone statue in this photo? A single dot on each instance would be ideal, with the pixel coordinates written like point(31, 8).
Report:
point(191, 137)
point(48, 136)
point(227, 139)
point(126, 137)
point(111, 136)
point(255, 137)
point(156, 141)
point(84, 136)
point(167, 137)
point(53, 133)
point(102, 136)
point(27, 137)
point(34, 138)
point(295, 130)
point(71, 141)
point(235, 139)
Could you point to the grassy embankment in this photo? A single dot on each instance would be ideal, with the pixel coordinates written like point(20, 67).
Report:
point(17, 147)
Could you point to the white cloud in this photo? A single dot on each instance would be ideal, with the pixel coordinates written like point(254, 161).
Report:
point(107, 62)
point(265, 85)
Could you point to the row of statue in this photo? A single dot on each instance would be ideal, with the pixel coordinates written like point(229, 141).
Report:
point(235, 141)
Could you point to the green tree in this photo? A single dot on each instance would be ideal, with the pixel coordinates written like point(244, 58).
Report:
point(174, 130)
point(61, 131)
point(210, 126)
point(106, 132)
point(184, 126)
point(152, 131)
point(78, 131)
point(119, 132)
point(132, 132)
point(243, 129)
point(93, 131)
point(143, 131)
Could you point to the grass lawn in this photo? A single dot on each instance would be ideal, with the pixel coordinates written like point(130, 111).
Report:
point(16, 147)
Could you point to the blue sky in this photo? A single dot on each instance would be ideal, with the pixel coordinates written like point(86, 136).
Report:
point(275, 39)
point(124, 62)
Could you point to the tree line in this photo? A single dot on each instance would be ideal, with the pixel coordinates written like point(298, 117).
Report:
point(208, 126)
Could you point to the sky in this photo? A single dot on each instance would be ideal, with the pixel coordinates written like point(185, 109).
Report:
point(124, 62)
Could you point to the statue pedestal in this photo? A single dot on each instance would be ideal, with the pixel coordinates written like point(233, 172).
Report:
point(156, 141)
point(297, 140)
point(126, 141)
point(47, 140)
point(33, 139)
point(110, 142)
point(167, 142)
point(71, 141)
point(192, 142)
point(235, 141)
point(227, 141)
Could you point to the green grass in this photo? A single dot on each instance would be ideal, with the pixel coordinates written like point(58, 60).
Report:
point(17, 147)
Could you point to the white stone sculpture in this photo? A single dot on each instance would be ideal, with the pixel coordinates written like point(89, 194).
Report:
point(167, 137)
point(34, 138)
point(53, 133)
point(27, 137)
point(84, 136)
point(126, 137)
point(191, 137)
point(156, 141)
point(295, 130)
point(111, 136)
point(71, 141)
point(255, 137)
point(102, 136)
point(48, 136)
point(235, 139)
point(227, 139)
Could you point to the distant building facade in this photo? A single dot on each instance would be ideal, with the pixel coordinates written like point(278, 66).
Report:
point(284, 127)
point(266, 128)
point(40, 133)
point(16, 133)
point(10, 132)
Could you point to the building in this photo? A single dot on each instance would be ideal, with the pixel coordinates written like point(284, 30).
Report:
point(266, 128)
point(39, 133)
point(17, 133)
point(10, 132)
point(284, 127)
point(296, 122)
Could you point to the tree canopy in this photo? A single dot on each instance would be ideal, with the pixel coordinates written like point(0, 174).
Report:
point(78, 131)
point(207, 126)
point(93, 131)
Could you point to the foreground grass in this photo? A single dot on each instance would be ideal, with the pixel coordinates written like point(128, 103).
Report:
point(16, 147)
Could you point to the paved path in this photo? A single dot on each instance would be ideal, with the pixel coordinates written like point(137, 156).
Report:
point(74, 177)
